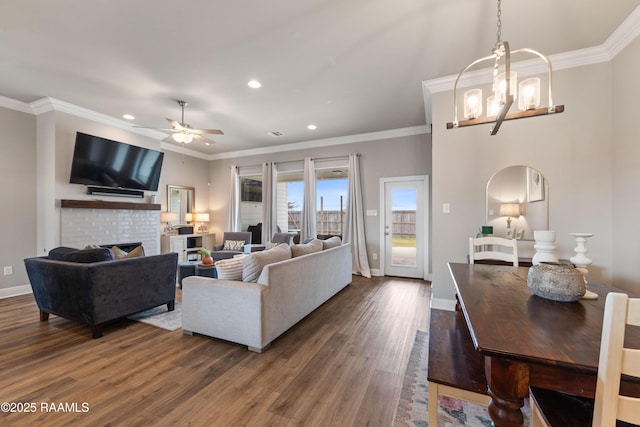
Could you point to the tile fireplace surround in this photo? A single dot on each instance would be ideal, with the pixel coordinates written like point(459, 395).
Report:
point(90, 222)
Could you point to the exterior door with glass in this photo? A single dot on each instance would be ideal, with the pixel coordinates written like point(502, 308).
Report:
point(404, 226)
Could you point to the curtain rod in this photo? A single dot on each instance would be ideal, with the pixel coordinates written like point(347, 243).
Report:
point(333, 157)
point(302, 160)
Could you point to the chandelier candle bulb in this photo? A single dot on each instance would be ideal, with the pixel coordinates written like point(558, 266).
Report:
point(472, 103)
point(500, 86)
point(529, 94)
point(492, 106)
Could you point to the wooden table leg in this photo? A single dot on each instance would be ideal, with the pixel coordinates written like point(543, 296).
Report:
point(508, 383)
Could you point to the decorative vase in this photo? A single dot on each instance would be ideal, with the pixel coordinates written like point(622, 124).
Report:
point(544, 246)
point(207, 260)
point(557, 282)
point(581, 261)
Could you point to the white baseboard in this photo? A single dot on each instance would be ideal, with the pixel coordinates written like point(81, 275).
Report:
point(15, 291)
point(443, 304)
point(376, 272)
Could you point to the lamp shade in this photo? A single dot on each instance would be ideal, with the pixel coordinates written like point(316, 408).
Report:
point(168, 216)
point(510, 209)
point(202, 217)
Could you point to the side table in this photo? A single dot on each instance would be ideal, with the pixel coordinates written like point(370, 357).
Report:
point(206, 271)
point(186, 269)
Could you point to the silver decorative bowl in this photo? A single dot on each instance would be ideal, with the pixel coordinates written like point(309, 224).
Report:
point(557, 282)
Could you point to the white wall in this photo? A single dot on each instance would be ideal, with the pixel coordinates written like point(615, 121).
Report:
point(626, 172)
point(18, 195)
point(572, 150)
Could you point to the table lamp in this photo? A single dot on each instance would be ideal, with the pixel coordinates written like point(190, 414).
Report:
point(510, 210)
point(168, 218)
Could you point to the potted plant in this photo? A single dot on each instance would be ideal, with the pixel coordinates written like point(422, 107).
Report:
point(206, 256)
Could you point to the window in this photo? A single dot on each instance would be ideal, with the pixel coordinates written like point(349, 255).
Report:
point(289, 200)
point(332, 186)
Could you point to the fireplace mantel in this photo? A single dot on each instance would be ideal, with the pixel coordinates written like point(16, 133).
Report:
point(101, 204)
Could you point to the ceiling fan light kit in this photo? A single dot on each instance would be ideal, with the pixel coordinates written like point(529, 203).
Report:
point(183, 133)
point(505, 90)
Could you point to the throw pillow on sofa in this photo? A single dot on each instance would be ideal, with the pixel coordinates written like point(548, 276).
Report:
point(233, 245)
point(331, 242)
point(120, 254)
point(306, 248)
point(253, 264)
point(81, 255)
point(230, 269)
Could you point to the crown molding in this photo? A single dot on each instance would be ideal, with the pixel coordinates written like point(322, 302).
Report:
point(16, 105)
point(617, 41)
point(327, 142)
point(49, 104)
point(624, 34)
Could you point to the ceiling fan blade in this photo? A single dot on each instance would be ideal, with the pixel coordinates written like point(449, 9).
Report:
point(202, 139)
point(176, 125)
point(208, 131)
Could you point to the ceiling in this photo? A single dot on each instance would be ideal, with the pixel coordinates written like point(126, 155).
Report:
point(349, 67)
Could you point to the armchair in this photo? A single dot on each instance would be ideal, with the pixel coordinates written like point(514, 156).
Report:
point(219, 252)
point(282, 238)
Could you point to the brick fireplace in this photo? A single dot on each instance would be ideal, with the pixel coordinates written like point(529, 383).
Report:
point(88, 222)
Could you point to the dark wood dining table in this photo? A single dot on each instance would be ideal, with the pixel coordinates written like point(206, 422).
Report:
point(528, 340)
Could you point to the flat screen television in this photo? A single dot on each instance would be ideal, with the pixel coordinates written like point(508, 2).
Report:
point(251, 190)
point(106, 163)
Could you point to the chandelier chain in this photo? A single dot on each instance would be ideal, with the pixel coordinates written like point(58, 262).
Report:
point(499, 22)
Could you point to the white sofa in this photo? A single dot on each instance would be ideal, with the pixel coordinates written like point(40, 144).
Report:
point(254, 314)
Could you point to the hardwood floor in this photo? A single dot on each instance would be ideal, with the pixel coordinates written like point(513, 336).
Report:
point(343, 365)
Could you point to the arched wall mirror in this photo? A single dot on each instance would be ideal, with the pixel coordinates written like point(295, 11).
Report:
point(517, 202)
point(180, 200)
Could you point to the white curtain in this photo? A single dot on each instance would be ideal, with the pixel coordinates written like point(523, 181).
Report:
point(234, 199)
point(269, 226)
point(309, 201)
point(354, 222)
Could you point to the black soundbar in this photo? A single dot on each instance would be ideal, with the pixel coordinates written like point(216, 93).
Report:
point(119, 192)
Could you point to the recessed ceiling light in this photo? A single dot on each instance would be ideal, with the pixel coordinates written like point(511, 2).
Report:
point(128, 116)
point(312, 127)
point(254, 84)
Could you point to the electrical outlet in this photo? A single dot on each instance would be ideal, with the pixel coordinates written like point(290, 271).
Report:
point(8, 270)
point(374, 256)
point(446, 208)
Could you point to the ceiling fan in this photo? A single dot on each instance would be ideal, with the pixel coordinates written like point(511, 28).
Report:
point(183, 132)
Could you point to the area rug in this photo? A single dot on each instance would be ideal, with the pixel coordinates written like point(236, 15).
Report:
point(412, 407)
point(160, 317)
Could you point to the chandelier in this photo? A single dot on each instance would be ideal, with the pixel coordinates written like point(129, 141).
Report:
point(505, 90)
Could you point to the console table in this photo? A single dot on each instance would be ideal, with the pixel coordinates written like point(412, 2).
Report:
point(186, 245)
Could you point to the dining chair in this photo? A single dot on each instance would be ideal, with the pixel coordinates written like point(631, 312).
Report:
point(493, 248)
point(609, 408)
